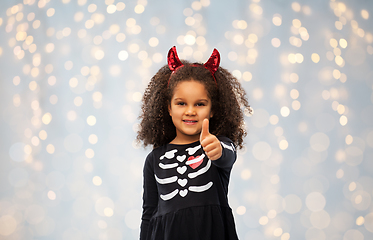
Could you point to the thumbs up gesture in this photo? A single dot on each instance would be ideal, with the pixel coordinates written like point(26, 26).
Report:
point(210, 143)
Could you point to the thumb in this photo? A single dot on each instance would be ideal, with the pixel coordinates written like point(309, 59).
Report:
point(205, 129)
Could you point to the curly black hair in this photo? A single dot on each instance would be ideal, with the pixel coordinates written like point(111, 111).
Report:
point(227, 96)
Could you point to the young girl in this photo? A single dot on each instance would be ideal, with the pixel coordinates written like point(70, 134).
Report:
point(192, 116)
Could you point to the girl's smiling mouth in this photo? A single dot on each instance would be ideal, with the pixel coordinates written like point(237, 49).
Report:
point(190, 122)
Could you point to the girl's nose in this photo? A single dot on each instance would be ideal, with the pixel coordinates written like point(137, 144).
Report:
point(190, 111)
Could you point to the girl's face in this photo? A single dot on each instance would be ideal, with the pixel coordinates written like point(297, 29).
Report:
point(189, 105)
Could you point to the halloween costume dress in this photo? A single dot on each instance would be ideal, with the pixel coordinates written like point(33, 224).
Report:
point(185, 193)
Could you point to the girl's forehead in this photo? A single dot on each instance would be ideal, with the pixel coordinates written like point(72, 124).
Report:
point(190, 88)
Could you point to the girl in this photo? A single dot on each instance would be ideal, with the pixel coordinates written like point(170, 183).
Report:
point(191, 115)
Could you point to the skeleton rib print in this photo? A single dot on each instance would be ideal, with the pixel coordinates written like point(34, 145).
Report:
point(181, 167)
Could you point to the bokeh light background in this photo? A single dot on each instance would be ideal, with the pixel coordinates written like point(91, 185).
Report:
point(72, 74)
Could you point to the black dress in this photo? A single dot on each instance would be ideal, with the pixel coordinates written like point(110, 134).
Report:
point(185, 194)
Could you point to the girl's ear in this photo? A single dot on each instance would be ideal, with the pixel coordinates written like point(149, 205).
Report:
point(211, 114)
point(169, 109)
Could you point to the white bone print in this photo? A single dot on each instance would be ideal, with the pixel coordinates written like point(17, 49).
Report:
point(165, 180)
point(169, 154)
point(172, 194)
point(201, 171)
point(192, 150)
point(168, 166)
point(180, 163)
point(200, 188)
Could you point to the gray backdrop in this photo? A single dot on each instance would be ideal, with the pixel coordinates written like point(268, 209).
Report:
point(72, 73)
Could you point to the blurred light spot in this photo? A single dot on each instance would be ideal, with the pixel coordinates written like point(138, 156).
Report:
point(35, 141)
point(277, 19)
point(297, 23)
point(131, 22)
point(132, 219)
point(319, 142)
point(51, 195)
point(339, 174)
point(47, 118)
point(343, 120)
point(92, 8)
point(50, 12)
point(89, 153)
point(360, 220)
point(273, 119)
point(120, 37)
point(279, 131)
point(71, 115)
point(33, 85)
point(296, 6)
point(276, 42)
point(283, 144)
point(50, 148)
point(91, 120)
point(232, 56)
point(102, 224)
point(320, 219)
point(262, 151)
point(343, 43)
point(285, 236)
point(8, 225)
point(256, 9)
point(108, 212)
point(285, 111)
point(361, 200)
point(263, 220)
point(294, 93)
point(315, 201)
point(68, 65)
point(78, 16)
point(120, 6)
point(315, 57)
point(241, 210)
point(257, 94)
point(153, 42)
point(196, 5)
point(272, 214)
point(364, 14)
point(246, 174)
point(111, 9)
point(102, 204)
point(136, 96)
point(277, 232)
point(97, 180)
point(189, 39)
point(78, 101)
point(353, 234)
point(275, 179)
point(294, 77)
point(237, 74)
point(296, 105)
point(368, 222)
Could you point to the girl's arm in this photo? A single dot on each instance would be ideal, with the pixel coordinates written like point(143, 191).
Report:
point(150, 196)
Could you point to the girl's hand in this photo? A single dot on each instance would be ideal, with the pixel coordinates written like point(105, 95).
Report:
point(210, 143)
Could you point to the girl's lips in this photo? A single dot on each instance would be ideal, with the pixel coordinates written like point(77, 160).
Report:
point(190, 122)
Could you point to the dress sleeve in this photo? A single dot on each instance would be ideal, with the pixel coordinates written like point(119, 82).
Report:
point(228, 156)
point(150, 196)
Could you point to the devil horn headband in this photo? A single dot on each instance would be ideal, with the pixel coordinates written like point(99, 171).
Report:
point(174, 62)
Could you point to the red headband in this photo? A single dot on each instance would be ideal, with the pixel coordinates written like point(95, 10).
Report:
point(174, 62)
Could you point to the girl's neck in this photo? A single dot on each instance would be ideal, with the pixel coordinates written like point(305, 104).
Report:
point(182, 141)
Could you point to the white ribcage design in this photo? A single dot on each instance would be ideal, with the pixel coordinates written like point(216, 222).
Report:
point(181, 170)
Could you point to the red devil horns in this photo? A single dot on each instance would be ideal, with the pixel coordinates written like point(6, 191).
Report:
point(173, 60)
point(212, 64)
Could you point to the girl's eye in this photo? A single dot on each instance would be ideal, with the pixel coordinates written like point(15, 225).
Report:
point(180, 103)
point(200, 104)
